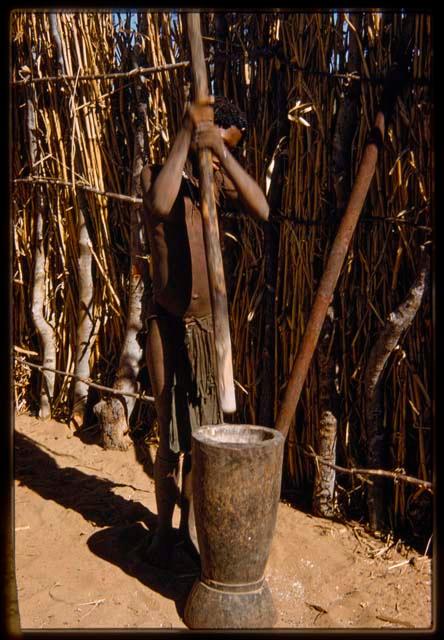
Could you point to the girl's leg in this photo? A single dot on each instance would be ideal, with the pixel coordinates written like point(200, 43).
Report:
point(187, 525)
point(160, 359)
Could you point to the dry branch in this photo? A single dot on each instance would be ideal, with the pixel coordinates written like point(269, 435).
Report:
point(58, 42)
point(377, 437)
point(346, 122)
point(87, 327)
point(85, 335)
point(46, 331)
point(134, 73)
point(394, 475)
point(80, 185)
point(132, 353)
point(100, 387)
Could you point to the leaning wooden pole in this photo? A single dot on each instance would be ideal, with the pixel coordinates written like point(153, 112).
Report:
point(394, 85)
point(330, 276)
point(224, 364)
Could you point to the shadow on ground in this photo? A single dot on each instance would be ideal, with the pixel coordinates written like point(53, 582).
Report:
point(89, 495)
point(123, 546)
point(123, 541)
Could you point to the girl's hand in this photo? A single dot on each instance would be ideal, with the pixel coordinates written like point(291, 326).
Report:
point(208, 136)
point(197, 113)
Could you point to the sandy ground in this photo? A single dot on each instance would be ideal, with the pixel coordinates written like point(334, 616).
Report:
point(80, 510)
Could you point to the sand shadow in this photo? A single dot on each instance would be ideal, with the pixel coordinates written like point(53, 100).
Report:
point(93, 498)
point(120, 545)
point(89, 495)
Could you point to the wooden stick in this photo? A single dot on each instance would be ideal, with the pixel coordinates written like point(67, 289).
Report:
point(218, 292)
point(101, 387)
point(102, 76)
point(79, 185)
point(395, 475)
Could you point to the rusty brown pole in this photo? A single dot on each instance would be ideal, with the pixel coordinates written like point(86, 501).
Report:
point(224, 364)
point(330, 277)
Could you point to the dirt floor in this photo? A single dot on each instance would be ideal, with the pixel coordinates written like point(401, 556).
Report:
point(80, 511)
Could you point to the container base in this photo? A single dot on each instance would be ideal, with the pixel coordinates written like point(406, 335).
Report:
point(222, 608)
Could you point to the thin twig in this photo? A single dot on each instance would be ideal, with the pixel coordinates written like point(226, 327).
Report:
point(101, 387)
point(80, 185)
point(401, 623)
point(104, 76)
point(27, 351)
point(371, 472)
point(428, 545)
point(400, 564)
point(85, 604)
point(95, 605)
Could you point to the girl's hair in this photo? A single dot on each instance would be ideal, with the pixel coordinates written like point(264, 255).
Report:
point(227, 114)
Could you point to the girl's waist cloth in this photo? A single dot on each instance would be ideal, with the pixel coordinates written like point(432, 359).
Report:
point(155, 310)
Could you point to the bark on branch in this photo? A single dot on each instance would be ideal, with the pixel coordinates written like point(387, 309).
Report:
point(324, 484)
point(113, 414)
point(86, 327)
point(45, 330)
point(58, 44)
point(397, 323)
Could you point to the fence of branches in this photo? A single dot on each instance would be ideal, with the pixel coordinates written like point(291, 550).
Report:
point(96, 94)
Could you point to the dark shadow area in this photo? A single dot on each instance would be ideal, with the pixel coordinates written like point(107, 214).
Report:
point(125, 539)
point(123, 546)
point(89, 495)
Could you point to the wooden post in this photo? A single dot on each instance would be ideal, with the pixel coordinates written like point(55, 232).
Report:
point(224, 364)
